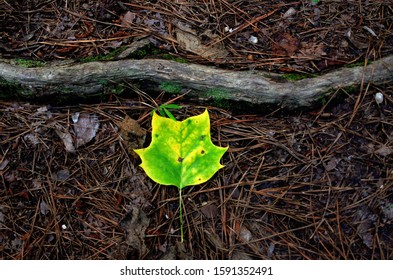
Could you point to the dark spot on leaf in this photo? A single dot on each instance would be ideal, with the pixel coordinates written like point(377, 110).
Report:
point(199, 179)
point(202, 152)
point(156, 135)
point(180, 159)
point(202, 137)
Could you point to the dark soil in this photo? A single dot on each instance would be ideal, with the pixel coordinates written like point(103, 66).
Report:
point(296, 185)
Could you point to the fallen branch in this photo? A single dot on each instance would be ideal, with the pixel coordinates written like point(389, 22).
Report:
point(256, 87)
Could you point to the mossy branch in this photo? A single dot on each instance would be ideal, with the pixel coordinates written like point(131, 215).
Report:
point(256, 87)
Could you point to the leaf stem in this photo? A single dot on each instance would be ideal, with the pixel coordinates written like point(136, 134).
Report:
point(181, 216)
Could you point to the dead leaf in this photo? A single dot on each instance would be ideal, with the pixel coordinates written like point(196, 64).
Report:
point(183, 253)
point(3, 164)
point(240, 255)
point(132, 135)
point(62, 175)
point(85, 127)
point(270, 250)
point(384, 151)
point(331, 165)
point(128, 19)
point(387, 212)
point(365, 220)
point(290, 13)
point(245, 234)
point(32, 138)
point(358, 44)
point(66, 137)
point(133, 47)
point(214, 239)
point(135, 224)
point(189, 41)
point(43, 208)
point(312, 49)
point(286, 45)
point(209, 210)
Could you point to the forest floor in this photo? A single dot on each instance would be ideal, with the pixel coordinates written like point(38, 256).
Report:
point(311, 184)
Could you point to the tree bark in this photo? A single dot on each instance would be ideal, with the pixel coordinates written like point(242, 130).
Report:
point(256, 87)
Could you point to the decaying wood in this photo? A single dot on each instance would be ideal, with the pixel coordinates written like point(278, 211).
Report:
point(251, 86)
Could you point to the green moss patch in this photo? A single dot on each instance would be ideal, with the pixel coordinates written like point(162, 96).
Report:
point(297, 76)
point(170, 87)
point(29, 63)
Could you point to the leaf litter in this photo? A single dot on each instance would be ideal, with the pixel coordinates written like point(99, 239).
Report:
point(269, 35)
point(308, 185)
point(313, 185)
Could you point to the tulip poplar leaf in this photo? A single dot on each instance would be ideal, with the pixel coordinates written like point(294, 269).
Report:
point(181, 153)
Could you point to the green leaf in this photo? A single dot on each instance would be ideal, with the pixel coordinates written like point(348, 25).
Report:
point(171, 106)
point(169, 114)
point(161, 111)
point(181, 153)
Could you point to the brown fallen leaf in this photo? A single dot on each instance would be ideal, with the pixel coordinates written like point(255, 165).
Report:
point(66, 137)
point(189, 41)
point(312, 49)
point(286, 45)
point(209, 210)
point(132, 135)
